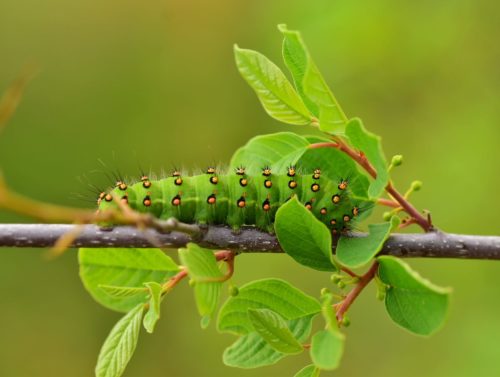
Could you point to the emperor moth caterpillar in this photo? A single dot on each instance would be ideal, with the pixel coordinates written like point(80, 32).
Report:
point(237, 199)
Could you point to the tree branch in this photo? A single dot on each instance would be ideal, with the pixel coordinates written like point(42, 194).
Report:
point(429, 245)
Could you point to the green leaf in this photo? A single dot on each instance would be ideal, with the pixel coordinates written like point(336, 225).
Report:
point(326, 349)
point(356, 252)
point(327, 345)
point(203, 270)
point(370, 145)
point(303, 236)
point(153, 314)
point(123, 267)
point(412, 302)
point(120, 344)
point(252, 351)
point(274, 294)
point(279, 150)
point(274, 330)
point(116, 291)
point(310, 83)
point(308, 371)
point(274, 91)
point(296, 60)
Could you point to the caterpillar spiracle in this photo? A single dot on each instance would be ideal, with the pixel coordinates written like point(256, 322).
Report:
point(236, 198)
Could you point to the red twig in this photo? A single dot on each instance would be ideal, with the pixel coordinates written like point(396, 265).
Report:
point(228, 257)
point(174, 280)
point(342, 307)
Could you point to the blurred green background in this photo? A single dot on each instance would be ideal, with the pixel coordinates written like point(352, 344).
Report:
point(153, 84)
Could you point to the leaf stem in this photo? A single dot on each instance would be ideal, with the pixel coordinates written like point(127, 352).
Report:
point(174, 280)
point(388, 203)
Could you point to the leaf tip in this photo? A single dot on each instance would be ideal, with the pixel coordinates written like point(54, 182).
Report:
point(283, 28)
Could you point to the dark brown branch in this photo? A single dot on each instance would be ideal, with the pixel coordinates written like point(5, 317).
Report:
point(429, 245)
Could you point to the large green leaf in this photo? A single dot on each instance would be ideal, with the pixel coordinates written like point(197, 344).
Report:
point(356, 252)
point(274, 330)
point(303, 236)
point(252, 351)
point(203, 270)
point(123, 267)
point(311, 84)
point(153, 314)
point(120, 344)
point(279, 150)
point(273, 89)
point(274, 294)
point(370, 144)
point(412, 301)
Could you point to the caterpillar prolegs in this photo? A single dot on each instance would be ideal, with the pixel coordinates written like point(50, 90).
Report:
point(236, 198)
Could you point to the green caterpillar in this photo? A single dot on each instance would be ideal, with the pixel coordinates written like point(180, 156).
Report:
point(238, 199)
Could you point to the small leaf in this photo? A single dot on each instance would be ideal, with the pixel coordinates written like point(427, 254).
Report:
point(272, 87)
point(412, 301)
point(356, 252)
point(303, 236)
point(326, 349)
point(202, 267)
point(153, 314)
point(311, 84)
point(120, 344)
point(370, 145)
point(252, 351)
point(329, 314)
point(115, 291)
point(274, 294)
point(274, 330)
point(279, 150)
point(123, 267)
point(308, 371)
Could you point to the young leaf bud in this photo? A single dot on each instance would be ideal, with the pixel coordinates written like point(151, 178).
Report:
point(233, 291)
point(416, 185)
point(346, 321)
point(397, 160)
point(335, 278)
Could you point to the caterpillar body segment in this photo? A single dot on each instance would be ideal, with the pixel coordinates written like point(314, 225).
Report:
point(237, 199)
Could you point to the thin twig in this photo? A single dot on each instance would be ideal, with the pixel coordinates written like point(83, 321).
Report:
point(343, 306)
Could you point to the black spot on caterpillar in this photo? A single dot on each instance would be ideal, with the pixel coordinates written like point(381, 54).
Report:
point(237, 199)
